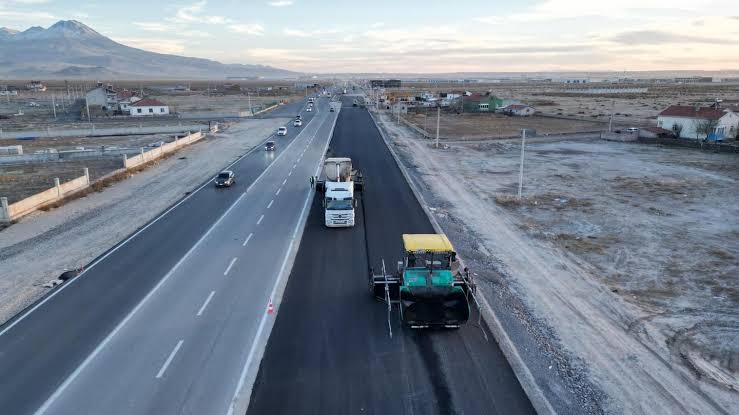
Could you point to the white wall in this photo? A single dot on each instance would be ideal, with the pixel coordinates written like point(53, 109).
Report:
point(157, 110)
point(690, 125)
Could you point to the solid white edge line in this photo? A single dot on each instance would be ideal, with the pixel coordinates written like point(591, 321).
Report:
point(205, 304)
point(246, 241)
point(128, 317)
point(125, 241)
point(281, 276)
point(270, 203)
point(230, 264)
point(260, 219)
point(169, 359)
point(284, 181)
point(278, 191)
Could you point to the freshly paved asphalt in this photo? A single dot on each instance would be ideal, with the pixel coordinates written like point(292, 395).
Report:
point(83, 351)
point(330, 350)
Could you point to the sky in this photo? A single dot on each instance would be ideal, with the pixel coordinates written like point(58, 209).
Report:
point(427, 36)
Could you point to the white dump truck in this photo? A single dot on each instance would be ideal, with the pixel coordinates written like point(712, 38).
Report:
point(339, 184)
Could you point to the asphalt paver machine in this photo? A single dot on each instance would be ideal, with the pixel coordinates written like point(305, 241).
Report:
point(428, 286)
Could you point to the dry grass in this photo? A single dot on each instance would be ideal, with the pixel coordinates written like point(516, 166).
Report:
point(497, 125)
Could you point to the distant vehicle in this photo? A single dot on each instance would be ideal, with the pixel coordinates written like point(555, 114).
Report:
point(632, 129)
point(156, 144)
point(33, 104)
point(309, 109)
point(225, 179)
point(298, 123)
point(311, 100)
point(298, 117)
point(331, 109)
point(282, 131)
point(269, 146)
point(355, 103)
point(344, 91)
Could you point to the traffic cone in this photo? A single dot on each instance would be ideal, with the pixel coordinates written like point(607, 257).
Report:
point(270, 308)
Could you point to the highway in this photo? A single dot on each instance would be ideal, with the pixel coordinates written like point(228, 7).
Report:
point(168, 320)
point(330, 351)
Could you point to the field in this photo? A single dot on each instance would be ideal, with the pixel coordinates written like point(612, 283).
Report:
point(35, 109)
point(495, 125)
point(628, 110)
point(22, 180)
point(627, 252)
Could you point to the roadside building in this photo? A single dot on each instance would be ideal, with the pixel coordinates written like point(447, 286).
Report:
point(125, 99)
point(686, 122)
point(148, 107)
point(519, 110)
point(481, 103)
point(36, 86)
point(102, 98)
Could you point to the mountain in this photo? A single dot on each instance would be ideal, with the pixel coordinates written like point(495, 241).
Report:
point(70, 49)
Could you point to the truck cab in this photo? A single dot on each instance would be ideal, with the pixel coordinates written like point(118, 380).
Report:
point(340, 181)
point(339, 204)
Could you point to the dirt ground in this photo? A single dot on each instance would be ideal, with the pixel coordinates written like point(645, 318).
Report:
point(629, 110)
point(458, 126)
point(199, 102)
point(72, 143)
point(41, 245)
point(627, 253)
point(20, 181)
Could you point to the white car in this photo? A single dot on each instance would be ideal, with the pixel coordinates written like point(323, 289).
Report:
point(298, 123)
point(309, 109)
point(282, 131)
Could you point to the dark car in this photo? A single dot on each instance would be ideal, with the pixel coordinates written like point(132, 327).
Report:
point(269, 146)
point(225, 179)
point(332, 109)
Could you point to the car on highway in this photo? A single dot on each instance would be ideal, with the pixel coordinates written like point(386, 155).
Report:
point(309, 109)
point(269, 146)
point(225, 178)
point(331, 109)
point(298, 123)
point(298, 117)
point(282, 131)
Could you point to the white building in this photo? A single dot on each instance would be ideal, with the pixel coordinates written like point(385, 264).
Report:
point(689, 118)
point(518, 110)
point(148, 106)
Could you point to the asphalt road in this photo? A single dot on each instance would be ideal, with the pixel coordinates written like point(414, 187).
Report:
point(166, 321)
point(330, 350)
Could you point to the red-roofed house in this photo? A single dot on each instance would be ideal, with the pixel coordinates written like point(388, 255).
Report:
point(520, 110)
point(148, 106)
point(686, 119)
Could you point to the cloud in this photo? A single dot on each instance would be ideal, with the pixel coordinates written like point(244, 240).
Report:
point(249, 29)
point(377, 25)
point(295, 33)
point(34, 18)
point(170, 46)
point(152, 26)
point(282, 3)
point(310, 32)
point(657, 37)
point(192, 13)
point(29, 1)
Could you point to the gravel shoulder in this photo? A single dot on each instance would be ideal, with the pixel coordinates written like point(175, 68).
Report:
point(602, 322)
point(40, 246)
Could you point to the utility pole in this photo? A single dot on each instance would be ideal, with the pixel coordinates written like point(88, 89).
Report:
point(87, 105)
point(438, 118)
point(53, 105)
point(249, 97)
point(520, 171)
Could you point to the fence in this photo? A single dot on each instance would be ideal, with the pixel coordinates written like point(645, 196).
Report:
point(11, 212)
point(94, 131)
point(32, 203)
point(150, 155)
